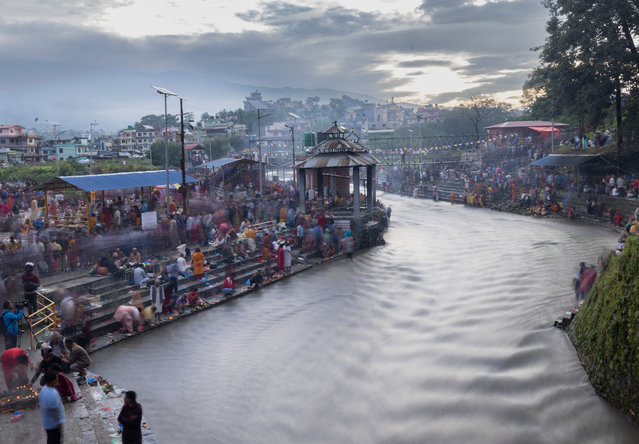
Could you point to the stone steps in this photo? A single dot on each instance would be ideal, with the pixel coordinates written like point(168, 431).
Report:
point(105, 323)
point(184, 284)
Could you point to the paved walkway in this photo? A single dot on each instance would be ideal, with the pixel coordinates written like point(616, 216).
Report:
point(91, 420)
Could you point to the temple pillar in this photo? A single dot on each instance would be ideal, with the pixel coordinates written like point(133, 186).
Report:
point(370, 174)
point(356, 192)
point(320, 187)
point(302, 182)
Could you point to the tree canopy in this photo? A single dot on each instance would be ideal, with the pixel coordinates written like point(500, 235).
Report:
point(156, 121)
point(216, 147)
point(175, 154)
point(588, 62)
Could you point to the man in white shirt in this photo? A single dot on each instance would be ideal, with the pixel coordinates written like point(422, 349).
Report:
point(51, 409)
point(181, 264)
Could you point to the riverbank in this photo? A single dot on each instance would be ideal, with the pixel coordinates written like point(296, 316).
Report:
point(447, 187)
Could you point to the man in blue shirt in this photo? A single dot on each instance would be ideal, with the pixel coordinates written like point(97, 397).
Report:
point(172, 270)
point(51, 409)
point(10, 321)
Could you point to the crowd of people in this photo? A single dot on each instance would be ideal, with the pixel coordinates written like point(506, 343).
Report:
point(503, 177)
point(235, 227)
point(314, 234)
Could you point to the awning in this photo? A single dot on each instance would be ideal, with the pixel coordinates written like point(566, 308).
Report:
point(565, 160)
point(115, 181)
point(545, 129)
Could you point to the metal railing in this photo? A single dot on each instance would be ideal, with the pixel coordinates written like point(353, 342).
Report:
point(47, 318)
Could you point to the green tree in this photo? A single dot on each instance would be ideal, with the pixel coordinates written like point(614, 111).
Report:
point(156, 121)
point(216, 147)
point(237, 143)
point(589, 60)
point(313, 103)
point(338, 108)
point(481, 111)
point(205, 117)
point(175, 153)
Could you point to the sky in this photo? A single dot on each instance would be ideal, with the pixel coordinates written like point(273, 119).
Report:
point(80, 61)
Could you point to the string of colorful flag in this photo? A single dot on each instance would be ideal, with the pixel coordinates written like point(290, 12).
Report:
point(408, 150)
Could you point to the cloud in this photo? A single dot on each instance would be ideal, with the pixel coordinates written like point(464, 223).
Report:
point(496, 11)
point(421, 63)
point(487, 64)
point(63, 57)
point(496, 84)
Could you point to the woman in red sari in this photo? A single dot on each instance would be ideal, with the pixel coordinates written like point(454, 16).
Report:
point(280, 257)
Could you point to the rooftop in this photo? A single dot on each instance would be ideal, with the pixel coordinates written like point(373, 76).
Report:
point(525, 124)
point(115, 181)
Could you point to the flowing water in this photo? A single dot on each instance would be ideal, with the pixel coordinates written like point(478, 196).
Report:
point(444, 335)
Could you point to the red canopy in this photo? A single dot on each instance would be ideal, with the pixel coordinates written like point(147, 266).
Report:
point(544, 129)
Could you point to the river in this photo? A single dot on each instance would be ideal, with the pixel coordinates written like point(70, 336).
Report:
point(444, 335)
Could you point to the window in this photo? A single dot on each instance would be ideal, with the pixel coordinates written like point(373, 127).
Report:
point(60, 150)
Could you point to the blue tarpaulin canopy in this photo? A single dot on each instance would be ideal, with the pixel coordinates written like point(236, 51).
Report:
point(115, 181)
point(565, 160)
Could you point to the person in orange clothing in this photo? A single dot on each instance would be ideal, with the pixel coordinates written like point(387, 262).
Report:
point(198, 263)
point(266, 250)
point(72, 253)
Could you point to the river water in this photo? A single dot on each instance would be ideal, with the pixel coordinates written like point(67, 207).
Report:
point(444, 335)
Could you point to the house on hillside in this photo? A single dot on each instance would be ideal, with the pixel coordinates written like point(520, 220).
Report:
point(538, 130)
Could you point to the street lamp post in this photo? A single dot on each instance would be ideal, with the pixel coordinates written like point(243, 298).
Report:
point(90, 145)
point(292, 129)
point(166, 93)
point(182, 162)
point(55, 136)
point(259, 147)
point(294, 116)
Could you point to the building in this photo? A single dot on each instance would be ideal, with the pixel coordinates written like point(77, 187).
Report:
point(504, 133)
point(238, 130)
point(144, 138)
point(332, 164)
point(277, 131)
point(21, 144)
point(428, 113)
point(12, 135)
point(194, 153)
point(126, 140)
point(255, 102)
point(215, 129)
point(14, 141)
point(172, 132)
point(73, 150)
